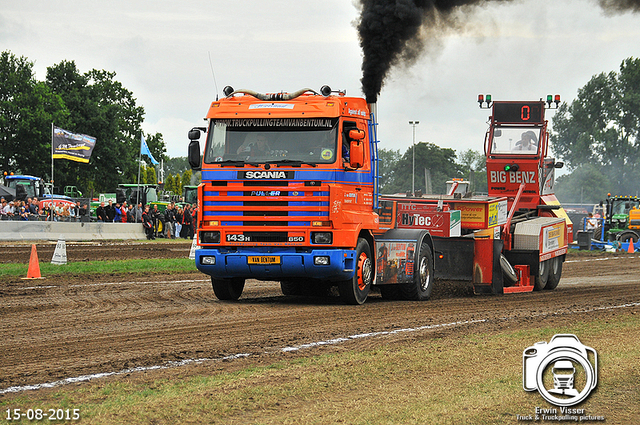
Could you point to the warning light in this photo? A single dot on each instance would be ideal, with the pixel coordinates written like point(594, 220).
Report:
point(482, 99)
point(555, 100)
point(511, 167)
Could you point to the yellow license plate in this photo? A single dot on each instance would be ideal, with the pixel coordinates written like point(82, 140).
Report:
point(264, 259)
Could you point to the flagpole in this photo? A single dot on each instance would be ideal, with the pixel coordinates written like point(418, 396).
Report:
point(139, 160)
point(52, 158)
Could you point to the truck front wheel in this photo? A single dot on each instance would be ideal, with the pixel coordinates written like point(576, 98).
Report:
point(356, 289)
point(422, 285)
point(227, 289)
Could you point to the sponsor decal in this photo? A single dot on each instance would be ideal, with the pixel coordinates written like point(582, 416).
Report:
point(357, 112)
point(272, 106)
point(277, 122)
point(327, 154)
point(512, 177)
point(395, 261)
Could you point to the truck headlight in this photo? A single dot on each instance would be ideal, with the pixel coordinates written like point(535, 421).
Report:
point(322, 237)
point(208, 261)
point(210, 237)
point(321, 261)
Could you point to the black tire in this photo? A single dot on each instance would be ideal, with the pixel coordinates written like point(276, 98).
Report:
point(541, 279)
point(507, 270)
point(422, 285)
point(290, 288)
point(628, 235)
point(555, 272)
point(355, 290)
point(390, 292)
point(227, 289)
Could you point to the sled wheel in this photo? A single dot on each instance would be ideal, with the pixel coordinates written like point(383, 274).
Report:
point(542, 277)
point(555, 271)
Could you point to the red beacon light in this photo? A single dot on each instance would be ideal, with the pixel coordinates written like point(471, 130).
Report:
point(553, 100)
point(482, 99)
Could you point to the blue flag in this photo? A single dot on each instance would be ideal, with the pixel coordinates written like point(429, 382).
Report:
point(144, 150)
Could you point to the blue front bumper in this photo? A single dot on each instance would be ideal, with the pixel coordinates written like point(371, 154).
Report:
point(294, 263)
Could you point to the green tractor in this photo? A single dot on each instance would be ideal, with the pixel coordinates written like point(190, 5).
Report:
point(189, 195)
point(621, 220)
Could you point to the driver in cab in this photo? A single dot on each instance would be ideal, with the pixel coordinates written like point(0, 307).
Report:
point(527, 142)
point(259, 148)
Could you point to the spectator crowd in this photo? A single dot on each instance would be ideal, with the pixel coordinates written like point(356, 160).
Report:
point(175, 221)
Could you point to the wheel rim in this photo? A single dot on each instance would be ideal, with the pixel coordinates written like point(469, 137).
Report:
point(424, 274)
point(555, 265)
point(364, 271)
point(542, 269)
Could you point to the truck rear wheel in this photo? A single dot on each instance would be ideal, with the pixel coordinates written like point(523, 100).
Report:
point(227, 289)
point(542, 277)
point(555, 272)
point(356, 289)
point(422, 285)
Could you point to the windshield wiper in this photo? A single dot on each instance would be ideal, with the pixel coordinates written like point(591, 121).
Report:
point(291, 162)
point(236, 163)
point(232, 162)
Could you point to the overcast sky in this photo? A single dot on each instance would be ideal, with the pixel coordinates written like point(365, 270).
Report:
point(161, 51)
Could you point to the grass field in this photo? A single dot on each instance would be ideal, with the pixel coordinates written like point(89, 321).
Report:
point(449, 379)
point(99, 267)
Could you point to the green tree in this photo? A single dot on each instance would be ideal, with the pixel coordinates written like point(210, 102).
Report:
point(585, 185)
point(27, 109)
point(169, 184)
point(178, 184)
point(101, 107)
point(150, 176)
point(601, 128)
point(473, 165)
point(186, 178)
point(387, 166)
point(176, 165)
point(440, 163)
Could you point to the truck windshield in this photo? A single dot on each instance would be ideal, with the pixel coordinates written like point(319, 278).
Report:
point(29, 186)
point(515, 140)
point(302, 140)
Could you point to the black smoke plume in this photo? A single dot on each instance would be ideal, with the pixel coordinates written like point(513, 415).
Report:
point(393, 31)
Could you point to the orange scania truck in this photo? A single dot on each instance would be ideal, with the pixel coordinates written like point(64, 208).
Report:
point(289, 193)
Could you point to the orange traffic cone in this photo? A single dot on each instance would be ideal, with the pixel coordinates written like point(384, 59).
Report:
point(631, 247)
point(34, 265)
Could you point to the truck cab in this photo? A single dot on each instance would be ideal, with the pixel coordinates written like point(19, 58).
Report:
point(287, 191)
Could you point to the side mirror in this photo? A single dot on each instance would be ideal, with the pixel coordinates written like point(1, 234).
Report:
point(194, 154)
point(356, 134)
point(356, 154)
point(559, 164)
point(194, 134)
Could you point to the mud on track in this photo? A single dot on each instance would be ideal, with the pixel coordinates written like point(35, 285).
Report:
point(58, 328)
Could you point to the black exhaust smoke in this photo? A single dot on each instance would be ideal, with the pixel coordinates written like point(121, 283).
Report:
point(392, 31)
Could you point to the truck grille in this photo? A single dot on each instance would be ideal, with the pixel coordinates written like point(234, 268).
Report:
point(266, 210)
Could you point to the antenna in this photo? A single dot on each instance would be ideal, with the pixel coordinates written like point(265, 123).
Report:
point(214, 75)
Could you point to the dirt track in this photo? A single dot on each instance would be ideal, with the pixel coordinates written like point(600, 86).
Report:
point(54, 329)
